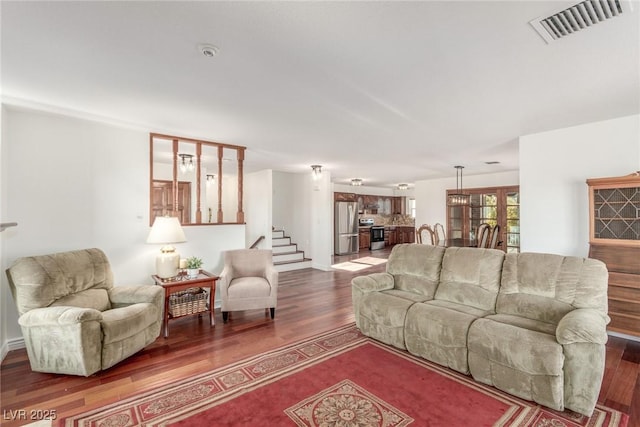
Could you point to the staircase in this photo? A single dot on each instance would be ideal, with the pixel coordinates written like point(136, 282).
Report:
point(286, 256)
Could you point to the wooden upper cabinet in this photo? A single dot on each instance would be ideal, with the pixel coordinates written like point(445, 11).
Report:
point(614, 210)
point(344, 197)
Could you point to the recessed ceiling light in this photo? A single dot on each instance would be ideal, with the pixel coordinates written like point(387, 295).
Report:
point(208, 50)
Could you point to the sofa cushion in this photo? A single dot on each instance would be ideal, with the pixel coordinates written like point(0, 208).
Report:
point(546, 287)
point(382, 316)
point(411, 296)
point(523, 362)
point(439, 333)
point(533, 352)
point(471, 277)
point(416, 268)
point(524, 323)
point(97, 299)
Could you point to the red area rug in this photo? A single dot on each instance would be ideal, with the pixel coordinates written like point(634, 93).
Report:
point(340, 378)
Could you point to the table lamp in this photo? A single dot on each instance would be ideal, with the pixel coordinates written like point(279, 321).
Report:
point(167, 230)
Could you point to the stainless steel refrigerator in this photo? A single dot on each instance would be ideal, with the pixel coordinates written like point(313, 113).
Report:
point(346, 228)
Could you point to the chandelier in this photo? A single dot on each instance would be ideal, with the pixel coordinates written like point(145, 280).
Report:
point(186, 163)
point(458, 198)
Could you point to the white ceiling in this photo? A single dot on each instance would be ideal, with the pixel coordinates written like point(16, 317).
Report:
point(389, 92)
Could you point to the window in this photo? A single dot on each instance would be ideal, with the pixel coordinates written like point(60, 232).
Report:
point(412, 207)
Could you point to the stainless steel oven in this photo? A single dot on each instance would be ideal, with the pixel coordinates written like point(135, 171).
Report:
point(377, 238)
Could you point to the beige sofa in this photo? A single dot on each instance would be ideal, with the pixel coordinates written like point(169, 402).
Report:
point(73, 319)
point(530, 324)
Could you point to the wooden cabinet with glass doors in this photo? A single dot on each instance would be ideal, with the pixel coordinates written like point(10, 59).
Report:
point(494, 206)
point(614, 238)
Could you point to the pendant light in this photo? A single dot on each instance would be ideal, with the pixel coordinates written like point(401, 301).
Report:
point(458, 198)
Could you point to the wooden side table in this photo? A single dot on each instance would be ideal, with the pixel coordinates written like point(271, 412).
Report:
point(182, 283)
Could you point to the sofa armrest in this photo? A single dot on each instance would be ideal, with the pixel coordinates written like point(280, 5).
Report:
point(582, 325)
point(58, 315)
point(375, 282)
point(121, 296)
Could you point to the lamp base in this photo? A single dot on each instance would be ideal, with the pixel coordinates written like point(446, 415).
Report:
point(167, 264)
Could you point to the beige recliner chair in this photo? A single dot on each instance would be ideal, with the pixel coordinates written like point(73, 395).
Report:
point(248, 281)
point(74, 320)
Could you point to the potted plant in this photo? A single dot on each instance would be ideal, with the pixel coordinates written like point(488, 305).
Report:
point(193, 266)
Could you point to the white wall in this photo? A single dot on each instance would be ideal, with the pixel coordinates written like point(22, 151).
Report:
point(3, 296)
point(258, 207)
point(285, 206)
point(431, 195)
point(554, 167)
point(73, 183)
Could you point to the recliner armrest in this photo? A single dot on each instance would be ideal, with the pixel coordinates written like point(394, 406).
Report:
point(58, 315)
point(374, 282)
point(582, 325)
point(133, 294)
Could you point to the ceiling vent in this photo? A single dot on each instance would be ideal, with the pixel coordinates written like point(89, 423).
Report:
point(579, 17)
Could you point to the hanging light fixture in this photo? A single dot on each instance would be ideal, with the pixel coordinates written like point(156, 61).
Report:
point(317, 171)
point(186, 163)
point(458, 198)
point(210, 178)
point(356, 182)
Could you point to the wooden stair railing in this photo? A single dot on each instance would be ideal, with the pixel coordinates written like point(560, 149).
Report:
point(255, 244)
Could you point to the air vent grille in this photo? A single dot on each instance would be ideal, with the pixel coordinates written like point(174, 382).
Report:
point(578, 17)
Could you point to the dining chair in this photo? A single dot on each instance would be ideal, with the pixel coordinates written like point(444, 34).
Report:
point(482, 235)
point(438, 229)
point(425, 235)
point(495, 234)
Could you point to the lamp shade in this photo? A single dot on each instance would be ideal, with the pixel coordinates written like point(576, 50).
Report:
point(166, 229)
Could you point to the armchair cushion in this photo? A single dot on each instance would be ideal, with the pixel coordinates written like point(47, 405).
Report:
point(97, 299)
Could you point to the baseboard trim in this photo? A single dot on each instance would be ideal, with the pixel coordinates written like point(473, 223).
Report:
point(625, 336)
point(13, 344)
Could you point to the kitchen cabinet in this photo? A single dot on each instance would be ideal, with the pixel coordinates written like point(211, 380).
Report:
point(390, 236)
point(614, 238)
point(364, 238)
point(406, 235)
point(344, 197)
point(398, 205)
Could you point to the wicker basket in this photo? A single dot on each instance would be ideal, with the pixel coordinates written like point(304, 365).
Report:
point(189, 301)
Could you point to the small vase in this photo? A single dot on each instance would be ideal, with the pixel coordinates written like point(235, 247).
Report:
point(192, 273)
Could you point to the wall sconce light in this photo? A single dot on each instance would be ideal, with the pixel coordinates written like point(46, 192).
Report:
point(403, 186)
point(186, 163)
point(317, 171)
point(458, 198)
point(356, 182)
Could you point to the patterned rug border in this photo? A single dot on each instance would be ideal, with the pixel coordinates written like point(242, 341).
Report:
point(257, 371)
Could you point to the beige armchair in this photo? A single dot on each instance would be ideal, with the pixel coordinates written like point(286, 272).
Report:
point(248, 281)
point(73, 319)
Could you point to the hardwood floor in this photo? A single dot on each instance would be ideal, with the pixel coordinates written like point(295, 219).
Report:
point(309, 302)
